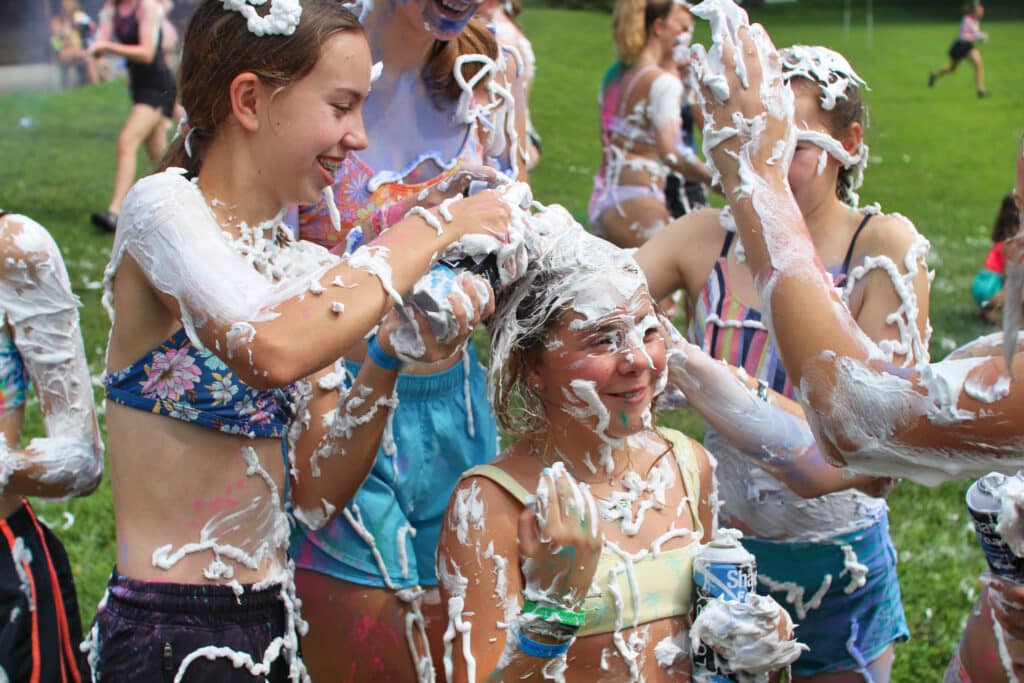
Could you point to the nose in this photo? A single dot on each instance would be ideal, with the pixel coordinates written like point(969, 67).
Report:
point(633, 357)
point(355, 138)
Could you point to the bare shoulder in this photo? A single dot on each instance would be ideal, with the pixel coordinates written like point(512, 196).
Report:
point(891, 235)
point(26, 246)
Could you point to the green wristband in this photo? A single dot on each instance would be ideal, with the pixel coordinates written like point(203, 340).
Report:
point(555, 614)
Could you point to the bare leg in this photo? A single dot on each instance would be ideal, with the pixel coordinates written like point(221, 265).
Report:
point(156, 142)
point(942, 71)
point(358, 633)
point(140, 124)
point(979, 70)
point(877, 671)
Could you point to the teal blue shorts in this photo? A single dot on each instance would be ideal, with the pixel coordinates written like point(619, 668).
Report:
point(403, 501)
point(848, 631)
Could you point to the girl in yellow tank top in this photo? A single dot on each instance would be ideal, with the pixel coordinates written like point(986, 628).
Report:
point(586, 575)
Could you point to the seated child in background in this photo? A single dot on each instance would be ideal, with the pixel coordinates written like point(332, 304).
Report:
point(987, 288)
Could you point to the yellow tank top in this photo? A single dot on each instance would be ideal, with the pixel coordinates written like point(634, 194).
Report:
point(663, 584)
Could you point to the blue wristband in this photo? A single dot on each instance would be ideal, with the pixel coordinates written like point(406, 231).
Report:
point(379, 356)
point(541, 650)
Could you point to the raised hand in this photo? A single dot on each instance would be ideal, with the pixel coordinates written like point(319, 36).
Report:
point(560, 540)
point(748, 109)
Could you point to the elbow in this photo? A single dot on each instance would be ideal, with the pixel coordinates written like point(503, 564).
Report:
point(265, 363)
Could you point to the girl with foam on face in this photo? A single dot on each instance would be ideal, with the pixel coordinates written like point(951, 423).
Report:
point(934, 421)
point(40, 340)
point(776, 487)
point(640, 105)
point(444, 117)
point(570, 557)
point(211, 422)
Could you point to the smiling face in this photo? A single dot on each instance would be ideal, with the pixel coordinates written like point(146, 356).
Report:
point(443, 19)
point(601, 373)
point(315, 122)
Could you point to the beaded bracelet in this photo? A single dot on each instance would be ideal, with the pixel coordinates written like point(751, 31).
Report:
point(382, 358)
point(541, 650)
point(554, 614)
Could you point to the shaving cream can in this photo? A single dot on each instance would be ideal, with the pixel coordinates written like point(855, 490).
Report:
point(722, 568)
point(983, 502)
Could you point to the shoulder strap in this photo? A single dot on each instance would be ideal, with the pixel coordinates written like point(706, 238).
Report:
point(682, 449)
point(627, 88)
point(726, 243)
point(853, 242)
point(501, 478)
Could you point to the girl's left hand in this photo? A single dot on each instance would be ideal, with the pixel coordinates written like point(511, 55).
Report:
point(99, 48)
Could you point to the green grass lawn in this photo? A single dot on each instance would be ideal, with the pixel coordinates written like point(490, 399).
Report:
point(941, 157)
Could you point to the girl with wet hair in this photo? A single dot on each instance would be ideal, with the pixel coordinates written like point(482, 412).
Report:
point(369, 575)
point(571, 556)
point(215, 415)
point(931, 422)
point(641, 141)
point(821, 539)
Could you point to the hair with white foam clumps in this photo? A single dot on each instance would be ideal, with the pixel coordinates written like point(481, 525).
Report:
point(836, 79)
point(281, 19)
point(572, 270)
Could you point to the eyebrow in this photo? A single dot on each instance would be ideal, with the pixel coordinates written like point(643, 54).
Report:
point(351, 92)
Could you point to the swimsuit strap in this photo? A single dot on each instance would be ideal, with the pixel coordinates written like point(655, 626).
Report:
point(501, 478)
point(853, 242)
point(628, 89)
point(729, 234)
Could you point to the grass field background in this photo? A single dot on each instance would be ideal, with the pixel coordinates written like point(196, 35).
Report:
point(942, 157)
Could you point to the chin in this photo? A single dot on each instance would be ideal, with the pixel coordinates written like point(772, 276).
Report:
point(444, 26)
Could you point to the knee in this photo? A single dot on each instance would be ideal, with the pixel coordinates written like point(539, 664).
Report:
point(127, 143)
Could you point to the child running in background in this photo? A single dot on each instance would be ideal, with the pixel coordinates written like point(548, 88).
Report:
point(40, 339)
point(963, 46)
point(987, 288)
point(591, 577)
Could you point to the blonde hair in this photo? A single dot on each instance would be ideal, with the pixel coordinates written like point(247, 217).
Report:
point(631, 25)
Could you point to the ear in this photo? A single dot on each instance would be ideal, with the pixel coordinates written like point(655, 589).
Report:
point(853, 136)
point(245, 91)
point(531, 370)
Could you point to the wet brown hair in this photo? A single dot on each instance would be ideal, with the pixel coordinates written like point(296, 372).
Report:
point(437, 73)
point(218, 46)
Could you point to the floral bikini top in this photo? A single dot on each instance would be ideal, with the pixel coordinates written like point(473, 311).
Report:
point(178, 380)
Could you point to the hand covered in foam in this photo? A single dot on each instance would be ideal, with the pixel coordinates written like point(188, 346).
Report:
point(560, 540)
point(1007, 598)
point(466, 181)
point(748, 109)
point(754, 636)
point(437, 318)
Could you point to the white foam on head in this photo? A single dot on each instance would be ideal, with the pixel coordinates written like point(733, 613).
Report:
point(282, 19)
